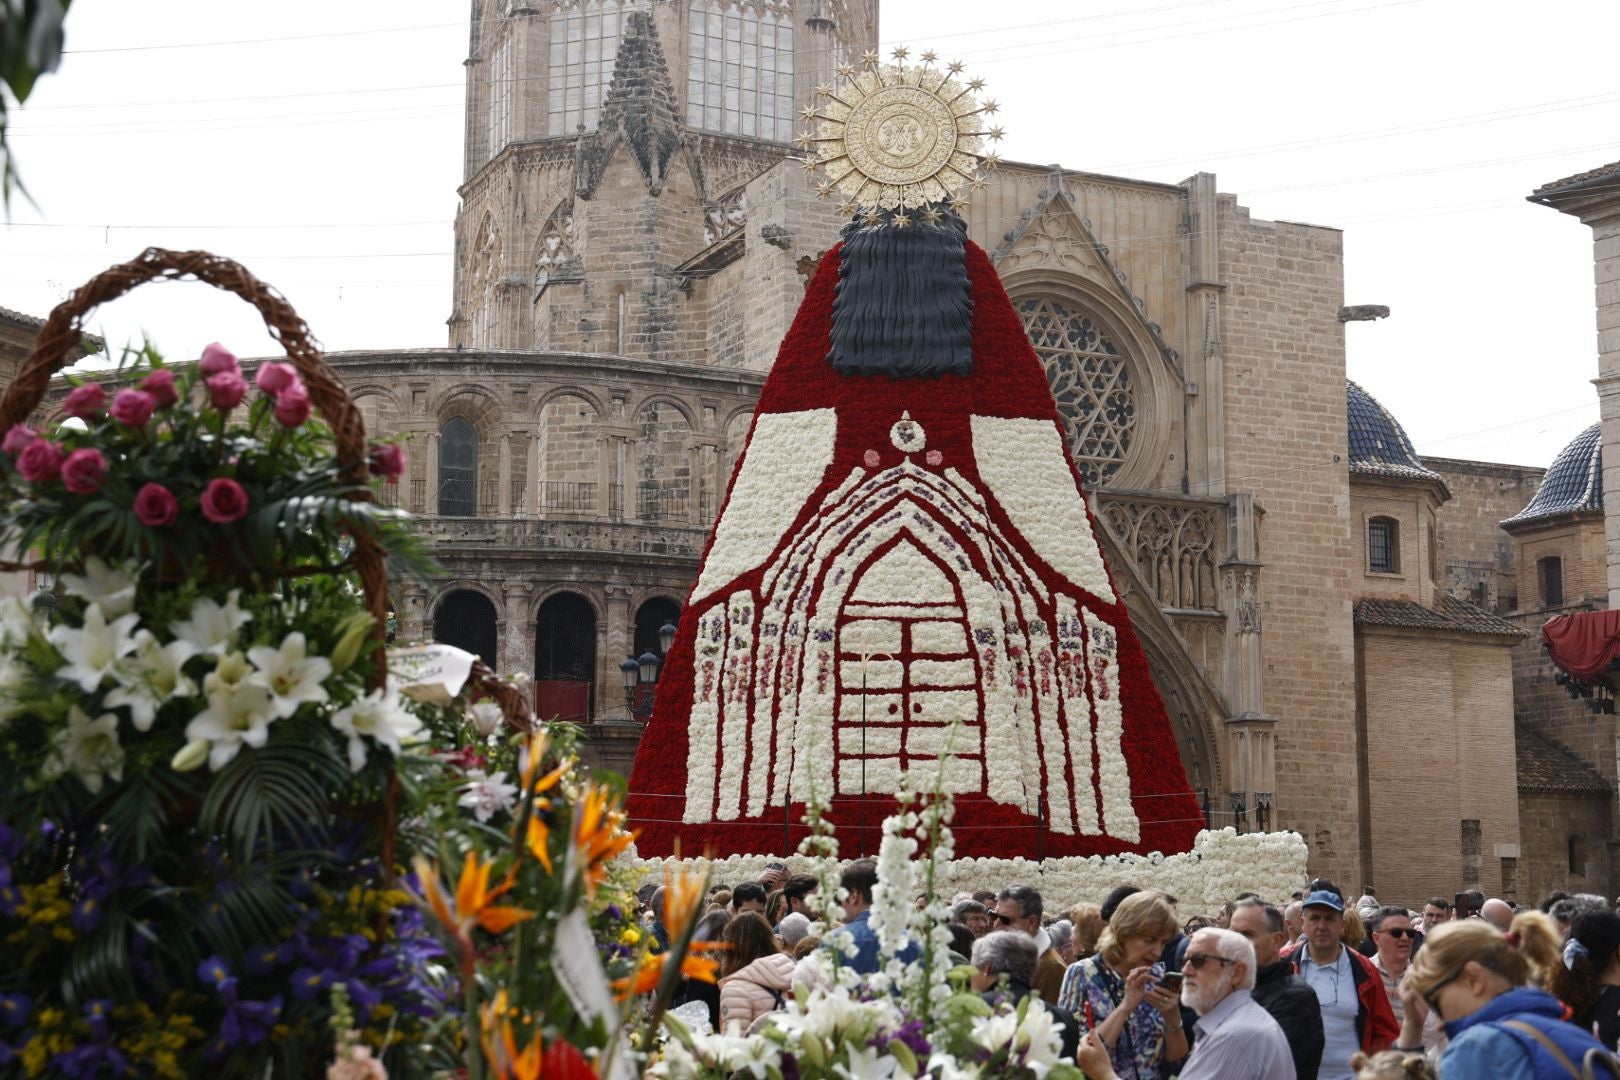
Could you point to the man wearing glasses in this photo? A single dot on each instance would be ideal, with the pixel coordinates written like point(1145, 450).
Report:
point(1019, 907)
point(1355, 1011)
point(1237, 1039)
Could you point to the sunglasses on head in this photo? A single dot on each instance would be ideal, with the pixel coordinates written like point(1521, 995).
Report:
point(1399, 932)
point(1196, 961)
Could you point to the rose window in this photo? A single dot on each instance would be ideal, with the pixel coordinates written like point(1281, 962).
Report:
point(1091, 381)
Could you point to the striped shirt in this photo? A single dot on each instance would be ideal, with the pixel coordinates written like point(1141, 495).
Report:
point(1238, 1040)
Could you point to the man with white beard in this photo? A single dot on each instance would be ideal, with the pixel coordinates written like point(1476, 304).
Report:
point(1237, 1039)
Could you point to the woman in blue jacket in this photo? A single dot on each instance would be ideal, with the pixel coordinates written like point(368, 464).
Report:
point(1474, 978)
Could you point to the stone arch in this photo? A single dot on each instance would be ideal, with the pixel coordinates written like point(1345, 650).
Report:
point(565, 655)
point(556, 256)
point(569, 452)
point(468, 619)
point(662, 471)
point(478, 407)
point(380, 410)
point(650, 616)
point(1151, 391)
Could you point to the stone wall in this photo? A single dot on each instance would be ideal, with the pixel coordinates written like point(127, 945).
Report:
point(1411, 505)
point(1286, 441)
point(1577, 542)
point(1545, 864)
point(1439, 732)
point(1477, 552)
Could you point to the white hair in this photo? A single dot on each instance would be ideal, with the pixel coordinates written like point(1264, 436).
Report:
point(1231, 945)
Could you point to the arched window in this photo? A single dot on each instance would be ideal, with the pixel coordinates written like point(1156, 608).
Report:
point(466, 620)
point(565, 658)
point(1550, 573)
point(650, 619)
point(458, 469)
point(740, 70)
point(584, 46)
point(1383, 546)
point(1091, 380)
point(485, 273)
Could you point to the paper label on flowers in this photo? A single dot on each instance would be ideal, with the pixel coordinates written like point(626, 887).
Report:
point(431, 673)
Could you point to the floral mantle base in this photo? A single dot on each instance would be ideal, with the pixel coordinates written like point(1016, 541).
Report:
point(1220, 865)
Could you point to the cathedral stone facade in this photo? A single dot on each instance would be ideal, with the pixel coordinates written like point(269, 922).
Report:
point(1330, 619)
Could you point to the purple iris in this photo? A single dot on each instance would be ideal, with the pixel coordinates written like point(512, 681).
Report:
point(89, 1059)
point(15, 1009)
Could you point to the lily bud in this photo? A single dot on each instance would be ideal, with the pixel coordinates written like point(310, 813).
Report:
point(191, 756)
point(356, 632)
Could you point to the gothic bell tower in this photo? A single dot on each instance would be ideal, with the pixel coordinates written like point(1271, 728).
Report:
point(607, 143)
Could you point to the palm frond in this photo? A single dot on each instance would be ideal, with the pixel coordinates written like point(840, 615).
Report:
point(275, 788)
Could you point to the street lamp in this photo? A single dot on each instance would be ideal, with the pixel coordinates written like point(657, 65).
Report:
point(643, 670)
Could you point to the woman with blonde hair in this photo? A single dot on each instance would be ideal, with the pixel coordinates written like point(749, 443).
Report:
point(1355, 929)
point(1088, 927)
point(1537, 939)
point(1474, 979)
point(1392, 1065)
point(1119, 991)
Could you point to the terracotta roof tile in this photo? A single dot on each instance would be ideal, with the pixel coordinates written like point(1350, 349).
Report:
point(1545, 765)
point(1453, 615)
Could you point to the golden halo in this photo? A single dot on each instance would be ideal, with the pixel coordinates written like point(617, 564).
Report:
point(894, 137)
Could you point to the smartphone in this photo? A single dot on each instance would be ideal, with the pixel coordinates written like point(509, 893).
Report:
point(778, 867)
point(1172, 980)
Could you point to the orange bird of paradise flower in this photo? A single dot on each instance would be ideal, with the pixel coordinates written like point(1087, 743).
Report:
point(474, 901)
point(509, 1061)
point(598, 834)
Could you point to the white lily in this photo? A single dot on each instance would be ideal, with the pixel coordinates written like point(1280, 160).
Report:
point(488, 795)
point(486, 717)
point(91, 653)
point(865, 1063)
point(1039, 1040)
point(237, 715)
point(291, 677)
point(89, 749)
point(112, 587)
point(379, 716)
point(212, 627)
point(153, 678)
point(15, 622)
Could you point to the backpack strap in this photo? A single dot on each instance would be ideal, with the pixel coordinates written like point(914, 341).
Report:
point(1547, 1043)
point(1599, 1055)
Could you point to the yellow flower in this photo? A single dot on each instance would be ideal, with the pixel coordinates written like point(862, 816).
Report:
point(630, 935)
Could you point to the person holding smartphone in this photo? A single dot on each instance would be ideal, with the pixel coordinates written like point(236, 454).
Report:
point(1119, 994)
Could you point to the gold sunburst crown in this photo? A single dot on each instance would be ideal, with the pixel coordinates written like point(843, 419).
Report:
point(896, 137)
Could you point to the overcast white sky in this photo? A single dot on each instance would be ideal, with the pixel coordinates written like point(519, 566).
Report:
point(320, 143)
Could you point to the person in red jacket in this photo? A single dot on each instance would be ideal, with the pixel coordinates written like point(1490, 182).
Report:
point(1355, 1010)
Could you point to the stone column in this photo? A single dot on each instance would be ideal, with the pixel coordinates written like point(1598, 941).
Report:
point(615, 639)
point(1251, 734)
point(503, 476)
point(533, 453)
point(517, 630)
point(412, 619)
point(431, 502)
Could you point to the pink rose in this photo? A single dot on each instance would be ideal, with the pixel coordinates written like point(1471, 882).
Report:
point(133, 408)
point(216, 360)
point(84, 471)
point(86, 401)
point(275, 376)
point(292, 405)
point(224, 501)
point(18, 437)
point(226, 390)
point(388, 461)
point(160, 385)
point(156, 506)
point(40, 461)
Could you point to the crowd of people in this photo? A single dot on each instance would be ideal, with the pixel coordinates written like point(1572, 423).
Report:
point(1310, 987)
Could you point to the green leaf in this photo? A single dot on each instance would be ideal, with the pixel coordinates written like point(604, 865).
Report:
point(287, 785)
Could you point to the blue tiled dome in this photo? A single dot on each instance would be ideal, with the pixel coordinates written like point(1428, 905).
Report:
point(1574, 481)
point(1378, 443)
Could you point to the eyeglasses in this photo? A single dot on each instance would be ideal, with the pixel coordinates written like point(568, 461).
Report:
point(1196, 961)
point(1399, 932)
point(1432, 994)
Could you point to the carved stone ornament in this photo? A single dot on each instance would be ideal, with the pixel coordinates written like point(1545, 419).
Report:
point(895, 137)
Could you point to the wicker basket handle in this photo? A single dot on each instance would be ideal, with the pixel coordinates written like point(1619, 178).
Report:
point(61, 333)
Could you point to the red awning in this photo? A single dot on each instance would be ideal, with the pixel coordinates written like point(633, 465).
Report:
point(1584, 644)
